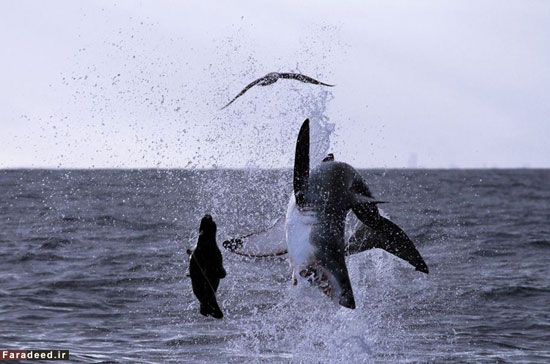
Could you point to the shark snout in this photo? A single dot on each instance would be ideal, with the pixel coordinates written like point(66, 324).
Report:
point(346, 298)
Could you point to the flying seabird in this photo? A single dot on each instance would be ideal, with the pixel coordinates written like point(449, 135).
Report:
point(272, 77)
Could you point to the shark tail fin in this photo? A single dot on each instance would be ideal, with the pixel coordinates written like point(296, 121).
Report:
point(379, 232)
point(301, 165)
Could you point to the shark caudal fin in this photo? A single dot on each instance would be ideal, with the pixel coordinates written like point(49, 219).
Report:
point(379, 232)
point(301, 165)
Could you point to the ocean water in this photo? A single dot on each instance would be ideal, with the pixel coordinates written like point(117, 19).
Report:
point(94, 262)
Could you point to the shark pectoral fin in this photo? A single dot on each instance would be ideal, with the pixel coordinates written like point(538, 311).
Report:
point(379, 232)
point(268, 243)
point(301, 165)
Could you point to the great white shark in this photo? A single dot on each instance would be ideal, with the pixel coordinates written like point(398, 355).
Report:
point(313, 230)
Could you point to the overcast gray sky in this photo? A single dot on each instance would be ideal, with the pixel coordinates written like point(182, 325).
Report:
point(140, 84)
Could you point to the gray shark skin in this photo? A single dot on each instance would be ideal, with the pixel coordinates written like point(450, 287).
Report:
point(325, 195)
point(313, 230)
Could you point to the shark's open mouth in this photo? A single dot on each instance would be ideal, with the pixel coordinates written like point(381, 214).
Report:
point(317, 276)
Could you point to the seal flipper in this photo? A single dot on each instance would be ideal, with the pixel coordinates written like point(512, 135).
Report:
point(210, 307)
point(222, 273)
point(379, 232)
point(301, 165)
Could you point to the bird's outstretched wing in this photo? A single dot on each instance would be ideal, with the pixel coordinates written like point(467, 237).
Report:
point(250, 85)
point(303, 78)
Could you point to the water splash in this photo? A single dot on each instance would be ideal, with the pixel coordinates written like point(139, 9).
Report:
point(303, 326)
point(315, 106)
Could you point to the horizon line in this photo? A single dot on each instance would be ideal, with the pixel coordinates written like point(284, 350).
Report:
point(2, 169)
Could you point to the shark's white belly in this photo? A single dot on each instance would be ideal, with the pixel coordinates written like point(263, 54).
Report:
point(298, 226)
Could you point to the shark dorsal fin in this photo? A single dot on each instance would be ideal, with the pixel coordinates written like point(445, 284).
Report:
point(301, 164)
